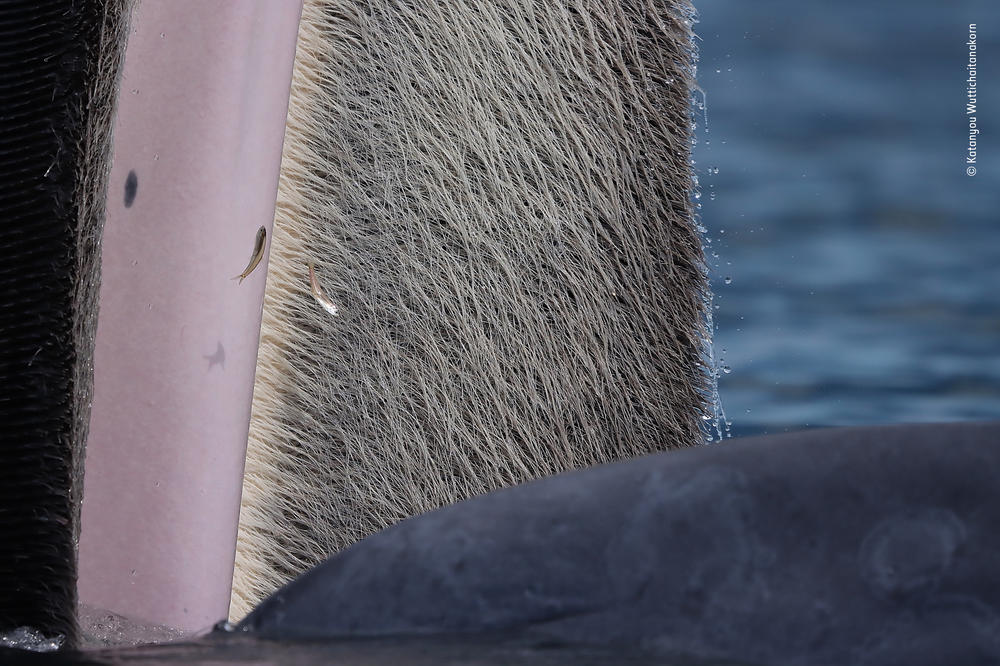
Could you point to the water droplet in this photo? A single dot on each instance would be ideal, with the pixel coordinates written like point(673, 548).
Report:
point(135, 91)
point(711, 196)
point(726, 369)
point(162, 35)
point(728, 280)
point(25, 638)
point(748, 410)
point(156, 157)
point(131, 573)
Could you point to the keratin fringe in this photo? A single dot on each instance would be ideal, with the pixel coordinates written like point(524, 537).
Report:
point(495, 194)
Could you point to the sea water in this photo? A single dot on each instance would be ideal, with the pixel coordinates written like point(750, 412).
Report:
point(429, 651)
point(855, 265)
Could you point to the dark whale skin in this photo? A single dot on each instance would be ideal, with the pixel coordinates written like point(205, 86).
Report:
point(872, 545)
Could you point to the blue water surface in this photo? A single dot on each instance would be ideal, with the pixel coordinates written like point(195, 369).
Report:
point(864, 262)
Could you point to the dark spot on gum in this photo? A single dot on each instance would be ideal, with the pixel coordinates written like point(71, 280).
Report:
point(131, 186)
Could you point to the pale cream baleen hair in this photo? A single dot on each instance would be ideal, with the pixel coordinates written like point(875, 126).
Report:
point(495, 195)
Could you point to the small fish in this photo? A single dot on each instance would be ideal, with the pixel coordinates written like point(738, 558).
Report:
point(258, 254)
point(318, 294)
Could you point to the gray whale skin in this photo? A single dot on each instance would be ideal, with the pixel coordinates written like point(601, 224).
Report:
point(876, 545)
